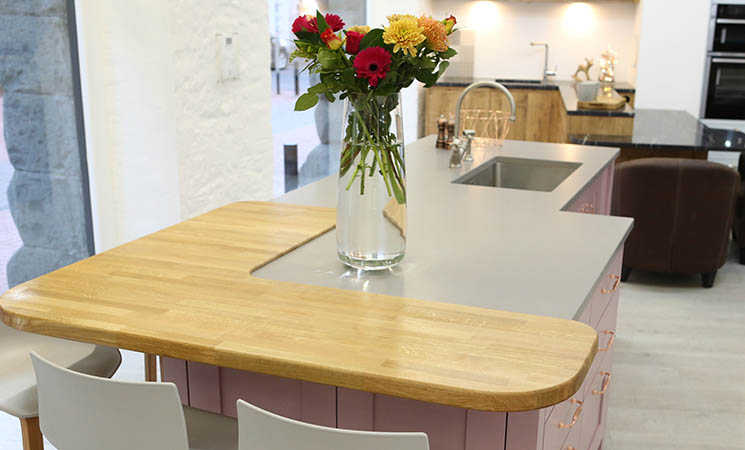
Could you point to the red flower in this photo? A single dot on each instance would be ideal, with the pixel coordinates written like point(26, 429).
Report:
point(305, 23)
point(372, 63)
point(334, 22)
point(331, 39)
point(353, 41)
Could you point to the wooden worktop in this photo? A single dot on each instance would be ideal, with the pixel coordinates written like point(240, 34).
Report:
point(187, 292)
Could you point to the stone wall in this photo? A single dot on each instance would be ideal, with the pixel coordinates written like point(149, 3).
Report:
point(45, 194)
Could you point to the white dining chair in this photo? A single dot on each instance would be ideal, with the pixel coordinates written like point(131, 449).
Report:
point(263, 430)
point(83, 412)
point(17, 380)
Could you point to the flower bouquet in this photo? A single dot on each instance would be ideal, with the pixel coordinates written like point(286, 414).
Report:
point(368, 67)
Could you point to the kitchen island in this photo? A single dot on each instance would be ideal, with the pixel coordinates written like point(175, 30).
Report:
point(486, 337)
point(503, 249)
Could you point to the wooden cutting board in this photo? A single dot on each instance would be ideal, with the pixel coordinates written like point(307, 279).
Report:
point(603, 102)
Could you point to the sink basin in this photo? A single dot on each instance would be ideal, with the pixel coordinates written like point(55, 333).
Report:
point(518, 173)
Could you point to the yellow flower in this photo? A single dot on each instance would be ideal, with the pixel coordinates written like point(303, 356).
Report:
point(404, 33)
point(395, 17)
point(436, 33)
point(363, 29)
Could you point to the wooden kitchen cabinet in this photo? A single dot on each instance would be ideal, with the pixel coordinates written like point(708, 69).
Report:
point(539, 112)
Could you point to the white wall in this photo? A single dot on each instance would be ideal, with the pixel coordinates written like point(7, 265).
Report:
point(504, 31)
point(165, 139)
point(672, 53)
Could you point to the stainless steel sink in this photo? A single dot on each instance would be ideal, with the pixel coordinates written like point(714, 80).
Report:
point(518, 173)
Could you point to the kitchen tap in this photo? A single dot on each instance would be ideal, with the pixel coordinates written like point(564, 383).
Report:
point(461, 149)
point(546, 73)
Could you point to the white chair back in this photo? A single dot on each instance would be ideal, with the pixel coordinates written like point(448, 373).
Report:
point(81, 412)
point(262, 430)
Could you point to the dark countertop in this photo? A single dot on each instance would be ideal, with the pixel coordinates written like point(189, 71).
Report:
point(565, 87)
point(660, 128)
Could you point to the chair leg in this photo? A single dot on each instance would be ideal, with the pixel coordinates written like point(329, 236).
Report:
point(707, 279)
point(625, 272)
point(32, 439)
point(151, 367)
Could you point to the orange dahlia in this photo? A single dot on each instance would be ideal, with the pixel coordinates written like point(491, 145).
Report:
point(435, 32)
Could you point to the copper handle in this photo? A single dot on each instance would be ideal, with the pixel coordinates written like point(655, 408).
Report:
point(577, 412)
point(587, 208)
point(610, 341)
point(617, 281)
point(606, 383)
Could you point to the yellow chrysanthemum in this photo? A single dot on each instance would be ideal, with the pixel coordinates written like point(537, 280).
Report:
point(394, 17)
point(435, 32)
point(404, 33)
point(364, 29)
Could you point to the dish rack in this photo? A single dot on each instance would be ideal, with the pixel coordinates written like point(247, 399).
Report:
point(491, 127)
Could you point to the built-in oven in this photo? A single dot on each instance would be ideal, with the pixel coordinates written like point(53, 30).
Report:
point(725, 94)
point(728, 29)
point(724, 81)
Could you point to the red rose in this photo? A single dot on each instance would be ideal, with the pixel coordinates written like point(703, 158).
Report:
point(372, 63)
point(331, 39)
point(334, 22)
point(305, 23)
point(353, 41)
point(449, 23)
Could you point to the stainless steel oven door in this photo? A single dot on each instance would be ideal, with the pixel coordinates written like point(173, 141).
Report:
point(725, 97)
point(729, 29)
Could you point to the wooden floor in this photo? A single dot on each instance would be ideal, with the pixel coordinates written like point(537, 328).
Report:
point(679, 370)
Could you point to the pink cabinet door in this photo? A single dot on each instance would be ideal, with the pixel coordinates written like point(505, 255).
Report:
point(608, 286)
point(566, 417)
point(595, 199)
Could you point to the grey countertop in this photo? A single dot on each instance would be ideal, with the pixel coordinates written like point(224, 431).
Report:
point(504, 249)
point(565, 87)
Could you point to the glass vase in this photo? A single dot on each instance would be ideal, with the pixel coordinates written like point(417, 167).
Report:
point(371, 209)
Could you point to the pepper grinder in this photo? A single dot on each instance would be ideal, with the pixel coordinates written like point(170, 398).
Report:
point(451, 130)
point(442, 140)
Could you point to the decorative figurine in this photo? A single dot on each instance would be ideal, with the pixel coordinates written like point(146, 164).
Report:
point(442, 140)
point(583, 68)
point(451, 130)
point(608, 70)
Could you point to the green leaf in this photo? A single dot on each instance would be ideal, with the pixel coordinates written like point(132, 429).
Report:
point(449, 53)
point(306, 101)
point(322, 25)
point(373, 38)
point(426, 77)
point(348, 77)
point(443, 65)
point(317, 89)
point(309, 37)
point(329, 96)
point(385, 89)
point(426, 63)
point(329, 59)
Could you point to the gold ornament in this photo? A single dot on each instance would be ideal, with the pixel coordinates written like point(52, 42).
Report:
point(583, 68)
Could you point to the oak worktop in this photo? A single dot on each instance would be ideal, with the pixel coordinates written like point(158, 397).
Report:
point(189, 292)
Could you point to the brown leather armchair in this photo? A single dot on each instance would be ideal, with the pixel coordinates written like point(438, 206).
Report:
point(682, 210)
point(738, 230)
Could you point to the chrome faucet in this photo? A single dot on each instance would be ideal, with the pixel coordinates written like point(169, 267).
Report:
point(461, 149)
point(546, 73)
